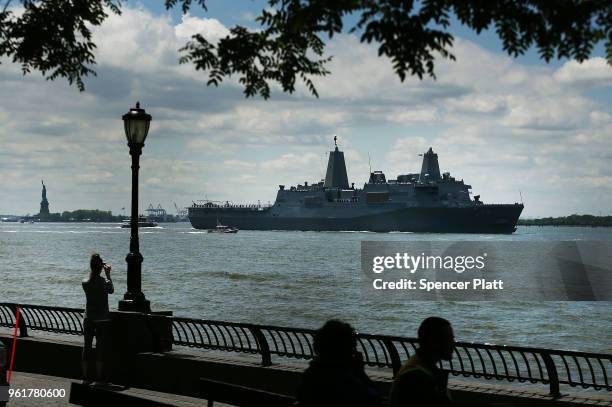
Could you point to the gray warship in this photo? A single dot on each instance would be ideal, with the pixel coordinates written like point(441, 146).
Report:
point(421, 202)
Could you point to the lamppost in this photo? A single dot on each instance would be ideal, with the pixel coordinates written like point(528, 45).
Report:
point(136, 123)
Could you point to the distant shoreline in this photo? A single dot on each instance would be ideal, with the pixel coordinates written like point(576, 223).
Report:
point(572, 220)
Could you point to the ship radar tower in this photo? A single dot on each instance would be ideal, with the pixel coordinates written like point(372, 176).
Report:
point(430, 170)
point(336, 169)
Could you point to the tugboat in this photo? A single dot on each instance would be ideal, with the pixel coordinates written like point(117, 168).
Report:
point(142, 223)
point(222, 229)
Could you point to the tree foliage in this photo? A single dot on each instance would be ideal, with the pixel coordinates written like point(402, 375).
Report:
point(53, 36)
point(88, 215)
point(571, 220)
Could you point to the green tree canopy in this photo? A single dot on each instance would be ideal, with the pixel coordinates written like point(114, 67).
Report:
point(53, 36)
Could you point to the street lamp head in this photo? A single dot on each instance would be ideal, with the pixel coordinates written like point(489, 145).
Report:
point(136, 123)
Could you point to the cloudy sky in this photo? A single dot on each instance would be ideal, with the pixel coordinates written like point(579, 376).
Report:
point(503, 125)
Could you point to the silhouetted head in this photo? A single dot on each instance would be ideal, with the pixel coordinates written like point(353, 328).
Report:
point(95, 263)
point(335, 340)
point(436, 338)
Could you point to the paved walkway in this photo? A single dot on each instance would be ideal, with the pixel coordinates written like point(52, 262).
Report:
point(22, 380)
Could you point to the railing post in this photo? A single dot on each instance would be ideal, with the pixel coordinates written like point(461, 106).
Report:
point(23, 329)
point(262, 343)
point(396, 362)
point(553, 376)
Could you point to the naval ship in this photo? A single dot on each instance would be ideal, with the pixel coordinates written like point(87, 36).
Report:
point(421, 202)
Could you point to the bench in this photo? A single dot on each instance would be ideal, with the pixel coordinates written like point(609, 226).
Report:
point(214, 390)
point(86, 395)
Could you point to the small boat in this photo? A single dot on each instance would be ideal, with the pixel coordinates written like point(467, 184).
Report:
point(142, 223)
point(223, 229)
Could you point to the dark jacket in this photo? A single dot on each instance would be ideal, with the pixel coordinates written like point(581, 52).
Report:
point(97, 290)
point(338, 384)
point(420, 384)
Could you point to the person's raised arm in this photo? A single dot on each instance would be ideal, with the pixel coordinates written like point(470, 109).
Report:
point(109, 282)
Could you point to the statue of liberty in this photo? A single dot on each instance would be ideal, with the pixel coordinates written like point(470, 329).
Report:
point(44, 204)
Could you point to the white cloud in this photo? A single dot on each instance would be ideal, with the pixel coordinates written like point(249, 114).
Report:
point(209, 28)
point(408, 115)
point(239, 165)
point(136, 41)
point(154, 181)
point(95, 177)
point(291, 162)
point(542, 112)
point(600, 119)
point(478, 104)
point(592, 72)
point(405, 150)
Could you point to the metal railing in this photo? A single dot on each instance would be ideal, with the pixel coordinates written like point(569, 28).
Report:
point(477, 360)
point(42, 318)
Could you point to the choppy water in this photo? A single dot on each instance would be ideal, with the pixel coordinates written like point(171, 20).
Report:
point(282, 278)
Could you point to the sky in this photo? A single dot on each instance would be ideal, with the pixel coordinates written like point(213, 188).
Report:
point(506, 126)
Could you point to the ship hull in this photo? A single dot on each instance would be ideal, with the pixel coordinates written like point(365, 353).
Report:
point(472, 219)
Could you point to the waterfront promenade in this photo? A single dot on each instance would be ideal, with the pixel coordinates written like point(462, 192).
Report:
point(165, 378)
point(273, 358)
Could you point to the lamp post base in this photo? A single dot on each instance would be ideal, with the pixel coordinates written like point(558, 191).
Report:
point(135, 306)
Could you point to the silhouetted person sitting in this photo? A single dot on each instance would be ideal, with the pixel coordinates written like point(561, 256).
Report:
point(336, 377)
point(97, 318)
point(420, 382)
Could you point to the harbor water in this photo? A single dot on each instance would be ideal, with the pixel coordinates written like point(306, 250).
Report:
point(283, 278)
